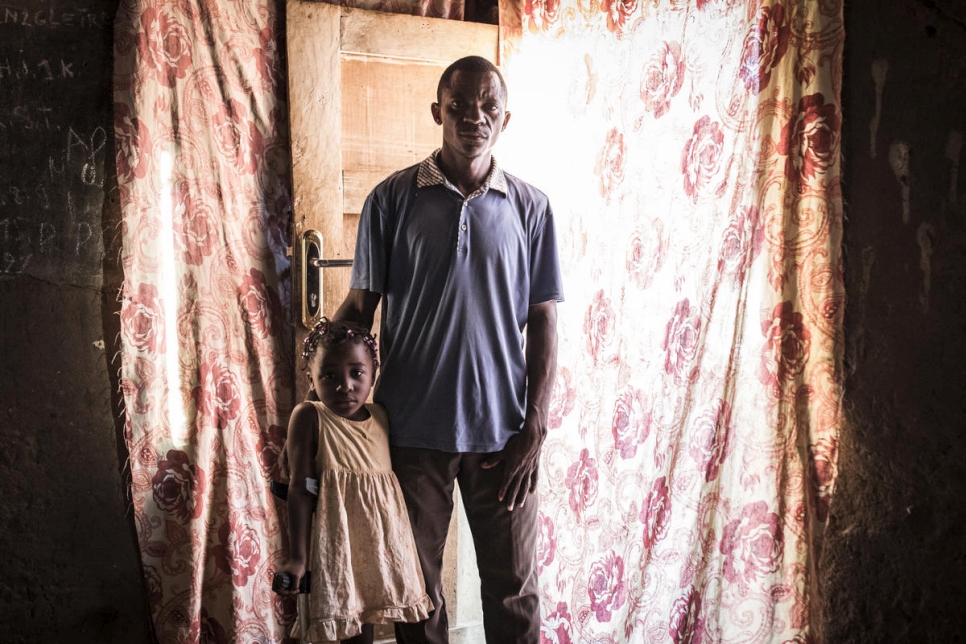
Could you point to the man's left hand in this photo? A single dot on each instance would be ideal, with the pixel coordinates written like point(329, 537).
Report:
point(521, 455)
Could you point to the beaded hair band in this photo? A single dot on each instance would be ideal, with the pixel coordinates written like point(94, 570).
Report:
point(324, 328)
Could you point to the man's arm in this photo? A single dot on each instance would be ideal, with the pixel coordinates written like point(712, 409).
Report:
point(359, 306)
point(522, 451)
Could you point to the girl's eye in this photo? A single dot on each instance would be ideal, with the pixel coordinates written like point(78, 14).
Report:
point(358, 373)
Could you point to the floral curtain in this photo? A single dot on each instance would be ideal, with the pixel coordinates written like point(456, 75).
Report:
point(206, 346)
point(691, 151)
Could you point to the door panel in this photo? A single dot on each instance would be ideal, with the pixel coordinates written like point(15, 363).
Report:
point(360, 88)
point(387, 124)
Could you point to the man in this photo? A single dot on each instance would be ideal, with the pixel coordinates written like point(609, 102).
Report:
point(463, 258)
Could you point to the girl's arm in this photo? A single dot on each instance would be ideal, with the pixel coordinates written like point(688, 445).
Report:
point(301, 445)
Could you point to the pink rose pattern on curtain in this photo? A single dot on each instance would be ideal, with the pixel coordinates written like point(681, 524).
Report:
point(691, 150)
point(206, 346)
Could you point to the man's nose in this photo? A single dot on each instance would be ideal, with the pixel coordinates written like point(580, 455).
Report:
point(473, 113)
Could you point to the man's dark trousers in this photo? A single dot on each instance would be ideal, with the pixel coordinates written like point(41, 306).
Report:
point(506, 543)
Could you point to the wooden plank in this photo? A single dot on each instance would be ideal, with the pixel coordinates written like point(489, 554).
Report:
point(359, 184)
point(315, 114)
point(387, 124)
point(315, 105)
point(427, 39)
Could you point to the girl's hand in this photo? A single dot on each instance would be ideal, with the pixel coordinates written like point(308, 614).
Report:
point(294, 571)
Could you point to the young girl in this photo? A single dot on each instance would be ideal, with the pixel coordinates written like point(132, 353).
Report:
point(363, 557)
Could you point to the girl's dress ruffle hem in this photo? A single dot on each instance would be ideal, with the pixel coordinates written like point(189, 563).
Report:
point(341, 628)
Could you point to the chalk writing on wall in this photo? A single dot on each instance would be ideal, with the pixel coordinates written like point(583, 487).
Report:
point(55, 124)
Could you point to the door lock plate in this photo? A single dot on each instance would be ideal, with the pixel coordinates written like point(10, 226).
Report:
point(312, 265)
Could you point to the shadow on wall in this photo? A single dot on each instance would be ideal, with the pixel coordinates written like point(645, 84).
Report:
point(70, 572)
point(895, 559)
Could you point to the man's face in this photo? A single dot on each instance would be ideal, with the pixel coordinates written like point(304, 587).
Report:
point(472, 111)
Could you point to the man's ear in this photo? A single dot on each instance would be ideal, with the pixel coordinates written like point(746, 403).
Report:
point(506, 120)
point(437, 115)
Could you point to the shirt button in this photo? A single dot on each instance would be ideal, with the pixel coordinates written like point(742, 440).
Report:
point(463, 227)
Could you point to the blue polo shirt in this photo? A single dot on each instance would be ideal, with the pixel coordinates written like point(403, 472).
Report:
point(457, 277)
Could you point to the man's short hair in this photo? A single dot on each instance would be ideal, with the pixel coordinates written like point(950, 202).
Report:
point(476, 64)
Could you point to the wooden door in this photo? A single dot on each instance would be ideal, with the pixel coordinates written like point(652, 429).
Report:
point(360, 88)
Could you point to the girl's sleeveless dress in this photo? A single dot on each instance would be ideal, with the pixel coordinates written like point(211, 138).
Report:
point(363, 556)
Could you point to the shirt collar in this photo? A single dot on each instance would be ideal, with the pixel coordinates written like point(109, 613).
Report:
point(429, 174)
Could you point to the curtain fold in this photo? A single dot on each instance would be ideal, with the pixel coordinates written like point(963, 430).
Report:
point(206, 342)
point(691, 152)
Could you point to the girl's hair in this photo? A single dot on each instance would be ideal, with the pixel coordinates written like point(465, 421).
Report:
point(329, 333)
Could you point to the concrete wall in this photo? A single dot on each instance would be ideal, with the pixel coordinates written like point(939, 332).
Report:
point(895, 559)
point(69, 569)
point(894, 565)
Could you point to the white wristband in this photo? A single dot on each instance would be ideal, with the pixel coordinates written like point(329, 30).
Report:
point(312, 486)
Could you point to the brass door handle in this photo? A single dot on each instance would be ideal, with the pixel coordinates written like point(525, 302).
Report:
point(312, 263)
point(331, 263)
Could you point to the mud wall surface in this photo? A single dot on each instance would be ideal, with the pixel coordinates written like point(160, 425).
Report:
point(894, 567)
point(70, 570)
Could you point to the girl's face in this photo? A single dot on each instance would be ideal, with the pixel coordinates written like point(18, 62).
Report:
point(342, 377)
